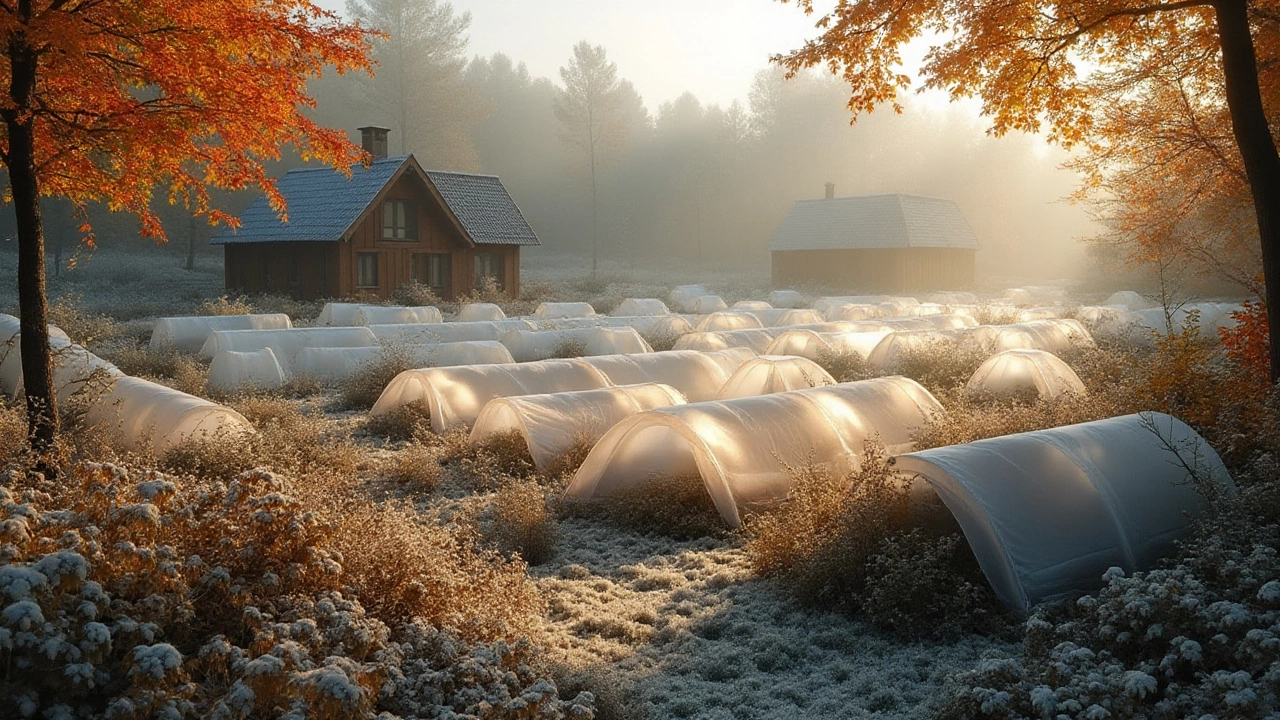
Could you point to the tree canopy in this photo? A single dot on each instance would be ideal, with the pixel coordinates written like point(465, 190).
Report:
point(1146, 86)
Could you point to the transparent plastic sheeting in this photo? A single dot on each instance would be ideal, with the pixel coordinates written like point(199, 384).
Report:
point(149, 417)
point(1048, 512)
point(335, 365)
point(286, 343)
point(768, 374)
point(728, 320)
point(697, 375)
point(1025, 372)
point(456, 395)
point(683, 297)
point(555, 310)
point(708, 304)
point(952, 297)
point(786, 299)
point(1129, 300)
point(757, 340)
point(187, 334)
point(637, 307)
point(553, 424)
point(811, 344)
point(752, 305)
point(11, 352)
point(395, 315)
point(74, 367)
point(615, 341)
point(531, 345)
point(422, 334)
point(824, 304)
point(742, 448)
point(473, 312)
point(337, 313)
point(251, 370)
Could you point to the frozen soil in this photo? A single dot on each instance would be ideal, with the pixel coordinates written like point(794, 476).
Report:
point(689, 632)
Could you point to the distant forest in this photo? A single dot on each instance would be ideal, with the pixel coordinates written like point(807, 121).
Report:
point(685, 182)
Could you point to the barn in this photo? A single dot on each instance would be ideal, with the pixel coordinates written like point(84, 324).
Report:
point(875, 243)
point(367, 235)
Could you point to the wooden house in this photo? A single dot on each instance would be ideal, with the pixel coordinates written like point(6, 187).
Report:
point(875, 243)
point(387, 224)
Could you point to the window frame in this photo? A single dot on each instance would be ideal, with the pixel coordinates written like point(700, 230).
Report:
point(404, 219)
point(367, 256)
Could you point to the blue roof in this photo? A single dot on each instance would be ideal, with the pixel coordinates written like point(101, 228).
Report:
point(324, 205)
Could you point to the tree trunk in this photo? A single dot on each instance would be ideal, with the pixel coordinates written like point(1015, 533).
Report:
point(1257, 147)
point(33, 311)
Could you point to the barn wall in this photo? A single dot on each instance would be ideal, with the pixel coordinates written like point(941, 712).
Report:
point(305, 270)
point(880, 270)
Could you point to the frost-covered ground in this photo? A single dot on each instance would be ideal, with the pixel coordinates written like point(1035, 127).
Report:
point(697, 636)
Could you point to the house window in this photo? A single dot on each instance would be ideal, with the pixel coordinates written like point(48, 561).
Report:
point(366, 270)
point(488, 265)
point(432, 270)
point(399, 221)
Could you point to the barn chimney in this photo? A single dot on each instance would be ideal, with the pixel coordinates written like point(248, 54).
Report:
point(831, 190)
point(374, 141)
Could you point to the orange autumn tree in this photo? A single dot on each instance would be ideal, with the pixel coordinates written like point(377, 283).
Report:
point(119, 101)
point(1044, 65)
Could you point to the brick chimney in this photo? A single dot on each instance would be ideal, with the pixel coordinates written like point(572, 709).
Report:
point(374, 141)
point(831, 187)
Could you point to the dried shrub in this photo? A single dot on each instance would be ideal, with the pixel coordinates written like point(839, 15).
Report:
point(997, 315)
point(138, 596)
point(301, 386)
point(661, 342)
point(569, 349)
point(83, 326)
point(844, 366)
point(402, 423)
point(288, 441)
point(860, 545)
point(939, 366)
point(13, 432)
point(494, 463)
point(224, 305)
point(520, 522)
point(568, 462)
point(416, 465)
point(363, 389)
point(969, 418)
point(166, 366)
point(677, 507)
point(416, 294)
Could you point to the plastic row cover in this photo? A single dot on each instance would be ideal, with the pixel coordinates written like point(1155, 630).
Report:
point(530, 345)
point(757, 340)
point(553, 424)
point(334, 365)
point(952, 297)
point(752, 305)
point(422, 334)
point(728, 320)
point(742, 448)
point(682, 298)
point(286, 343)
point(149, 417)
point(11, 352)
point(554, 310)
point(394, 315)
point(768, 374)
point(187, 334)
point(1048, 512)
point(456, 395)
point(637, 307)
point(1025, 372)
point(250, 370)
point(824, 304)
point(478, 312)
point(810, 344)
point(786, 299)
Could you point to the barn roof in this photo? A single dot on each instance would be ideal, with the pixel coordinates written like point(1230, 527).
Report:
point(874, 221)
point(325, 206)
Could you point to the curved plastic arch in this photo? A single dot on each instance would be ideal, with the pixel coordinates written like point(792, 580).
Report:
point(477, 312)
point(742, 448)
point(1048, 512)
point(768, 374)
point(1014, 372)
point(187, 334)
point(697, 375)
point(553, 424)
point(641, 307)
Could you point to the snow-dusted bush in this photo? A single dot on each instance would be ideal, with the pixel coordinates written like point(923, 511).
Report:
point(128, 595)
point(521, 523)
point(1197, 638)
point(844, 366)
point(857, 544)
point(677, 507)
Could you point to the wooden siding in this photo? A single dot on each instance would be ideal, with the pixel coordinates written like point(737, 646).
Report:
point(330, 269)
point(889, 270)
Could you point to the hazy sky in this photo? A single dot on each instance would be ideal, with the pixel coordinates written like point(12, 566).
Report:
point(712, 48)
